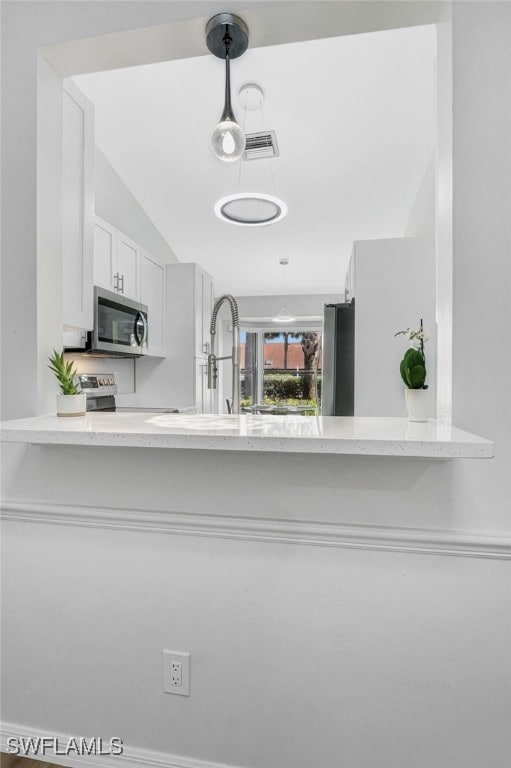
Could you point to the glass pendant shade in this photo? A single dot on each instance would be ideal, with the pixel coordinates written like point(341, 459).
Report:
point(228, 141)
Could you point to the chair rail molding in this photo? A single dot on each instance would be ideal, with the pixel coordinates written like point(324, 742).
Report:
point(278, 531)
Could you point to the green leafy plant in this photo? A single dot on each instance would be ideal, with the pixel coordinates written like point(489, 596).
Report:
point(286, 386)
point(413, 364)
point(413, 369)
point(280, 386)
point(64, 372)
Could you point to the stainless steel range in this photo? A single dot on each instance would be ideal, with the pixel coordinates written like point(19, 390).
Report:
point(100, 390)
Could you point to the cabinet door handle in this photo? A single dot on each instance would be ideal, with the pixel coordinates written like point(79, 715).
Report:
point(116, 281)
point(121, 278)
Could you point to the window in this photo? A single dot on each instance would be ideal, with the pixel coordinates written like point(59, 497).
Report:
point(248, 366)
point(281, 368)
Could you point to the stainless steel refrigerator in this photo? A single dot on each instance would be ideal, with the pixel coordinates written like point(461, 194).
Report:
point(338, 374)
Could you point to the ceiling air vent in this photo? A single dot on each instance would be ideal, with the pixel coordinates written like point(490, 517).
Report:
point(261, 145)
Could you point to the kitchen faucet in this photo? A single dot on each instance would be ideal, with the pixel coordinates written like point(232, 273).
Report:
point(234, 406)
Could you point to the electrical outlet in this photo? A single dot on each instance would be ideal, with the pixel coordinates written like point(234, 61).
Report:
point(176, 673)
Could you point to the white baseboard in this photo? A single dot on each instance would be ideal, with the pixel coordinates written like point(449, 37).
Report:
point(131, 757)
point(386, 538)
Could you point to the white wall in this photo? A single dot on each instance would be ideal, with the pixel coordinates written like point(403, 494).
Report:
point(411, 651)
point(369, 658)
point(48, 297)
point(394, 287)
point(421, 222)
point(444, 213)
point(114, 202)
point(300, 305)
point(482, 244)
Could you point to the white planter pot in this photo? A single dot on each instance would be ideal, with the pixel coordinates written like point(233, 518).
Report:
point(71, 405)
point(417, 404)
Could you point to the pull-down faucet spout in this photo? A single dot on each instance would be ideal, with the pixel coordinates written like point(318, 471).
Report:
point(235, 356)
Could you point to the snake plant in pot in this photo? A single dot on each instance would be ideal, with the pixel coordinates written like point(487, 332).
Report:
point(70, 400)
point(413, 373)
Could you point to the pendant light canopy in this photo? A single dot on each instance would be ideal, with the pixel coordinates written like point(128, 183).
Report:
point(227, 38)
point(284, 317)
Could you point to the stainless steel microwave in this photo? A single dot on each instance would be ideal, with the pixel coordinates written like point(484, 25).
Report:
point(120, 327)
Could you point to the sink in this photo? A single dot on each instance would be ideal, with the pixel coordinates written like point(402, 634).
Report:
point(212, 422)
point(137, 409)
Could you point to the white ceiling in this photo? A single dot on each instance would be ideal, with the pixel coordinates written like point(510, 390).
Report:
point(354, 118)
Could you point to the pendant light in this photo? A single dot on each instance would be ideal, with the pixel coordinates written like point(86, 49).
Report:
point(253, 209)
point(284, 315)
point(227, 38)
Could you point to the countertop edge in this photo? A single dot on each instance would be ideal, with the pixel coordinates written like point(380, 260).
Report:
point(433, 449)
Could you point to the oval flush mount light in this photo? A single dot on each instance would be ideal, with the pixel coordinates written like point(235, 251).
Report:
point(250, 209)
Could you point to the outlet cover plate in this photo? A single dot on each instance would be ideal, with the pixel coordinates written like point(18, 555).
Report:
point(171, 673)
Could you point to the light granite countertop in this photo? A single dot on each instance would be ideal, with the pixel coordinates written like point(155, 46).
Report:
point(287, 434)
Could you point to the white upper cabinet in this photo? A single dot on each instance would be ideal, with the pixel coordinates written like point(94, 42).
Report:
point(152, 284)
point(77, 208)
point(128, 267)
point(121, 265)
point(104, 253)
point(117, 260)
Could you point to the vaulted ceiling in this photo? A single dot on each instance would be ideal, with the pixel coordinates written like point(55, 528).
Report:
point(355, 122)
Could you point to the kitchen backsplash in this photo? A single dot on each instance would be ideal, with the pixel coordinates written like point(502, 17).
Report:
point(123, 369)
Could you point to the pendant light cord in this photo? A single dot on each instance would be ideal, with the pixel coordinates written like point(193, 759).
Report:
point(269, 159)
point(227, 113)
point(241, 158)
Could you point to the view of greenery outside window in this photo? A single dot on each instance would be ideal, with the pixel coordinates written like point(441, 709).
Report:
point(291, 369)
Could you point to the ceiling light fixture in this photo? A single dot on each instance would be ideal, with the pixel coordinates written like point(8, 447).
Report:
point(250, 209)
point(227, 38)
point(284, 316)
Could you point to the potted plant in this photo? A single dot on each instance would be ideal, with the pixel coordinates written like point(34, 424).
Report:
point(413, 373)
point(70, 401)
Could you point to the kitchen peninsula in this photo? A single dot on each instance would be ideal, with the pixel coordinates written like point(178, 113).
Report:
point(286, 434)
point(335, 609)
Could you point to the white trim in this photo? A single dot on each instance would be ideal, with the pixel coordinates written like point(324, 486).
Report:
point(131, 757)
point(385, 538)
